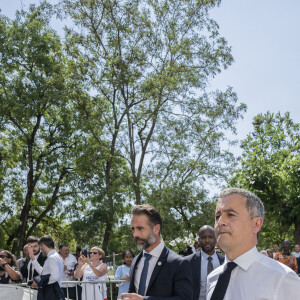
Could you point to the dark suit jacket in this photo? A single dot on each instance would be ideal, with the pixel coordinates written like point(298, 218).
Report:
point(171, 278)
point(195, 262)
point(298, 261)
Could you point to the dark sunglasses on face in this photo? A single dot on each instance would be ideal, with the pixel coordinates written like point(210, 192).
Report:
point(94, 253)
point(2, 256)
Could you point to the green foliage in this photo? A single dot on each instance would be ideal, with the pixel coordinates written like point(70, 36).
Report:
point(36, 132)
point(184, 210)
point(116, 114)
point(270, 166)
point(148, 64)
point(274, 232)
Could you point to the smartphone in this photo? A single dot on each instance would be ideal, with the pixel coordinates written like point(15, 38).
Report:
point(85, 252)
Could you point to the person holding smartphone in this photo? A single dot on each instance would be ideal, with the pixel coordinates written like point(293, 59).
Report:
point(92, 268)
point(8, 268)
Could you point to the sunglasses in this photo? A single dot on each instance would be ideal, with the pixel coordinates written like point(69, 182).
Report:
point(2, 256)
point(94, 253)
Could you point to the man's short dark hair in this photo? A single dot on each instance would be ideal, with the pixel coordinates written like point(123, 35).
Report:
point(63, 245)
point(47, 241)
point(32, 239)
point(150, 211)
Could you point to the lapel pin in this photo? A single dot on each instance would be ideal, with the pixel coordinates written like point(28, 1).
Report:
point(159, 263)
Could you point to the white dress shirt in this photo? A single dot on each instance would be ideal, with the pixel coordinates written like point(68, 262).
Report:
point(35, 266)
point(215, 261)
point(54, 266)
point(156, 252)
point(257, 277)
point(70, 261)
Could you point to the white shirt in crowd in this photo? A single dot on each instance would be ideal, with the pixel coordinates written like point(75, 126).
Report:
point(70, 261)
point(35, 266)
point(296, 254)
point(54, 266)
point(257, 277)
point(156, 252)
point(216, 263)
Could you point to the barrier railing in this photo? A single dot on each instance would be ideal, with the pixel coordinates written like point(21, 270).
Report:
point(107, 288)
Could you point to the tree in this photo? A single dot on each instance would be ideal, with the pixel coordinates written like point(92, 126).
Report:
point(270, 167)
point(148, 63)
point(36, 131)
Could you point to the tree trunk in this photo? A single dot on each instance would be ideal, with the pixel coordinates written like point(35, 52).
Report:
point(297, 232)
point(107, 235)
point(109, 221)
point(137, 189)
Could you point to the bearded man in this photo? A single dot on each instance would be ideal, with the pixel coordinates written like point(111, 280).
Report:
point(157, 273)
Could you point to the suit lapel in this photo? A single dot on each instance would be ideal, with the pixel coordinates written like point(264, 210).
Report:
point(132, 275)
point(161, 261)
point(197, 266)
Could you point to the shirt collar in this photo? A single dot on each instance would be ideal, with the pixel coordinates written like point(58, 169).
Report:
point(156, 251)
point(51, 252)
point(205, 255)
point(247, 259)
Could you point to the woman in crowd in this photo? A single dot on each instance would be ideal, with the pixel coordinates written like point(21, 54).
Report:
point(122, 272)
point(92, 269)
point(8, 268)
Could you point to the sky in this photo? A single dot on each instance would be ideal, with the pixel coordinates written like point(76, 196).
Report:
point(264, 36)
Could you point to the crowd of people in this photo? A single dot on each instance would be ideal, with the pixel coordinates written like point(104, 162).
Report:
point(202, 272)
point(45, 269)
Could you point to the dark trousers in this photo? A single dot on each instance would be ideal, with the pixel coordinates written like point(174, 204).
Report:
point(50, 292)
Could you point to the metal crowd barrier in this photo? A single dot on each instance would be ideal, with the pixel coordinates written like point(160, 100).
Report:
point(111, 293)
point(16, 292)
point(22, 292)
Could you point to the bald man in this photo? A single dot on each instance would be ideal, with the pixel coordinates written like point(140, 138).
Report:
point(204, 261)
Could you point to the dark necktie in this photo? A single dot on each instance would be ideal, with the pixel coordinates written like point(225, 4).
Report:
point(142, 285)
point(223, 281)
point(210, 266)
point(30, 272)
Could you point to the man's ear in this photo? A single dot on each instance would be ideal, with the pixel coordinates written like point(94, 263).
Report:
point(257, 224)
point(156, 228)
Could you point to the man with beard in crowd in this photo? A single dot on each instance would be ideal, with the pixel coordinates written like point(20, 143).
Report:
point(204, 261)
point(50, 279)
point(157, 272)
point(37, 258)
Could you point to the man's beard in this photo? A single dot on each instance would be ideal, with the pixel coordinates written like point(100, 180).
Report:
point(146, 242)
point(208, 249)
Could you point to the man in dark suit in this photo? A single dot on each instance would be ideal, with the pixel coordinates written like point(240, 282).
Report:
point(157, 273)
point(204, 261)
point(37, 258)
